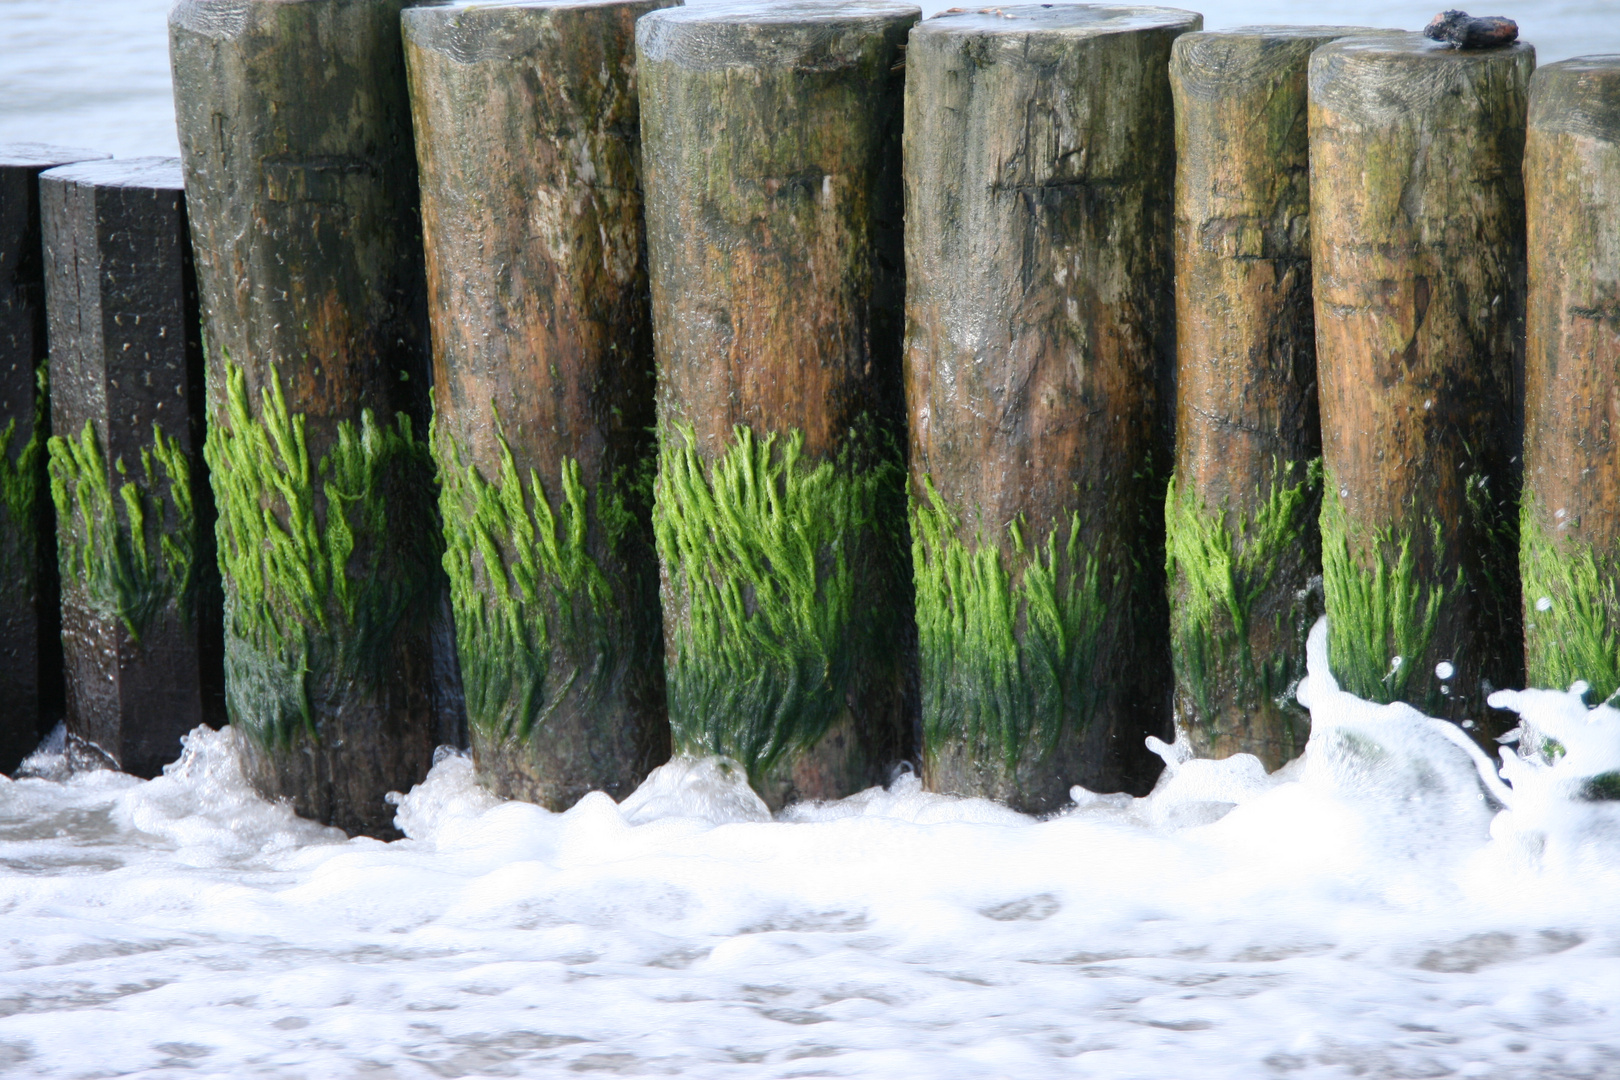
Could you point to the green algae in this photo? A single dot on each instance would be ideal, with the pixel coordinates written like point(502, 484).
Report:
point(126, 542)
point(1380, 621)
point(1218, 570)
point(768, 560)
point(537, 617)
point(323, 561)
point(1571, 611)
point(22, 481)
point(1006, 652)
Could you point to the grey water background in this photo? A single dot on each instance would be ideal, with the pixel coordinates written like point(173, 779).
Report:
point(95, 73)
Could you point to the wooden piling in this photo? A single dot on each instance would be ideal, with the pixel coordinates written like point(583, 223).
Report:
point(301, 177)
point(134, 517)
point(1417, 227)
point(1039, 165)
point(1569, 552)
point(30, 620)
point(1241, 534)
point(528, 139)
point(771, 136)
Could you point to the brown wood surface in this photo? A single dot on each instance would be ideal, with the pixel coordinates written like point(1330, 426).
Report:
point(1040, 339)
point(1418, 244)
point(528, 136)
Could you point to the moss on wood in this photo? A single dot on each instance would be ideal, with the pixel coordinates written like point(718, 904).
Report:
point(22, 480)
point(762, 552)
point(1571, 611)
point(1006, 651)
point(315, 594)
point(127, 538)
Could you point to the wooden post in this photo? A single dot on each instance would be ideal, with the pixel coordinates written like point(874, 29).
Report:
point(772, 143)
point(1570, 528)
point(30, 620)
point(527, 133)
point(1417, 226)
point(1039, 355)
point(1240, 520)
point(301, 176)
point(134, 519)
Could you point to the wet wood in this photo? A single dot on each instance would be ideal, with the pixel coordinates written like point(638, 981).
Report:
point(295, 128)
point(1572, 377)
point(140, 595)
point(30, 620)
point(1247, 429)
point(1039, 364)
point(528, 137)
point(1418, 244)
point(771, 138)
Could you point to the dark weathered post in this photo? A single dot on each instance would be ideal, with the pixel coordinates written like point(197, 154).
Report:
point(1417, 225)
point(301, 179)
point(134, 519)
point(1570, 528)
point(528, 138)
point(30, 620)
point(1240, 520)
point(772, 161)
point(1040, 165)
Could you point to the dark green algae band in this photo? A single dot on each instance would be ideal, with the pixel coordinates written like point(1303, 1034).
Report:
point(324, 561)
point(1571, 611)
point(1006, 653)
point(127, 538)
point(775, 576)
point(537, 618)
point(22, 482)
point(1218, 570)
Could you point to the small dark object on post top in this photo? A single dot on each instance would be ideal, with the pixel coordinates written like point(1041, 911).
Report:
point(1466, 32)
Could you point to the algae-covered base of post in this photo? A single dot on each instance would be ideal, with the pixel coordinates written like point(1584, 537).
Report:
point(771, 136)
point(1241, 540)
point(1039, 366)
point(1570, 526)
point(527, 134)
point(301, 185)
point(1418, 255)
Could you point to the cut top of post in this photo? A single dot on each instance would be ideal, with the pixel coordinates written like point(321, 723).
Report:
point(154, 173)
point(1579, 97)
point(1211, 63)
point(1381, 77)
point(472, 31)
point(751, 34)
point(30, 155)
point(1070, 20)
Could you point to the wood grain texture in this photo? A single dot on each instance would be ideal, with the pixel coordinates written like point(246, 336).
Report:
point(1039, 366)
point(528, 137)
point(1417, 210)
point(301, 177)
point(1247, 428)
point(140, 591)
point(772, 154)
point(1572, 377)
point(30, 618)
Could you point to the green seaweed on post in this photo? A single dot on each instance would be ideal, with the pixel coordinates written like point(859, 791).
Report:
point(534, 611)
point(1571, 611)
point(1380, 621)
point(324, 561)
point(22, 481)
point(1006, 655)
point(762, 552)
point(1217, 570)
point(130, 545)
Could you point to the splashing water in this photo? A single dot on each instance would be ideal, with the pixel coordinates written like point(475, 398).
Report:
point(1385, 906)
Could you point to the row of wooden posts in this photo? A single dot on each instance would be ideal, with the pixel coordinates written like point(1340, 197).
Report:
point(804, 386)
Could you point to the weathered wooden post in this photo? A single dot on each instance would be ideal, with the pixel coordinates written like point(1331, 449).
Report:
point(1240, 520)
point(134, 518)
point(772, 161)
point(528, 138)
point(1039, 164)
point(1417, 226)
point(1570, 528)
point(301, 183)
point(30, 620)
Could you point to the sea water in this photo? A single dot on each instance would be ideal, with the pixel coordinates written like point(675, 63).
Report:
point(1387, 906)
